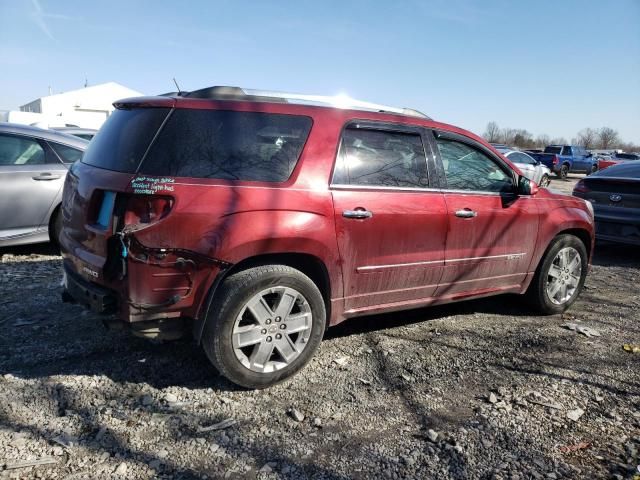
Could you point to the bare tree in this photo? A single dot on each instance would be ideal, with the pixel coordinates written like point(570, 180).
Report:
point(492, 134)
point(542, 140)
point(587, 138)
point(607, 138)
point(558, 141)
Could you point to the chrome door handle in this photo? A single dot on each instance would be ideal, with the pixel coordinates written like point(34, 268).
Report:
point(46, 176)
point(358, 213)
point(466, 213)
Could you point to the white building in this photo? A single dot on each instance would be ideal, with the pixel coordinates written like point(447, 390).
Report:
point(87, 107)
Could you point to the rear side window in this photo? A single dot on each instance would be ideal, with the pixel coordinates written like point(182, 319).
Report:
point(121, 142)
point(67, 154)
point(381, 158)
point(249, 146)
point(15, 150)
point(469, 169)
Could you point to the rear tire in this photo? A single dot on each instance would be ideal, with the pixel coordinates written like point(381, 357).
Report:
point(560, 276)
point(564, 172)
point(248, 338)
point(55, 227)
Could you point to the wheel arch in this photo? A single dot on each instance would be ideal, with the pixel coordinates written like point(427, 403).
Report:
point(310, 265)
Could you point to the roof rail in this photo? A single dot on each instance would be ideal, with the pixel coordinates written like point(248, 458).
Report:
point(337, 101)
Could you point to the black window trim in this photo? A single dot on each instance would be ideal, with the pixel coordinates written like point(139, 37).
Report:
point(383, 126)
point(444, 134)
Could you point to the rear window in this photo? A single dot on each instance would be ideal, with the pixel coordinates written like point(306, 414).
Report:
point(121, 142)
point(554, 150)
point(67, 154)
point(228, 145)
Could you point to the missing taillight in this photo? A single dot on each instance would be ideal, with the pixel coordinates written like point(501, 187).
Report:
point(146, 209)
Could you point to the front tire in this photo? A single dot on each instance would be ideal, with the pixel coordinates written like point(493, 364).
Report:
point(544, 181)
point(594, 169)
point(560, 276)
point(264, 325)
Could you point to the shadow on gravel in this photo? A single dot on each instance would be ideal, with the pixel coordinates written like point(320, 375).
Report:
point(611, 254)
point(32, 249)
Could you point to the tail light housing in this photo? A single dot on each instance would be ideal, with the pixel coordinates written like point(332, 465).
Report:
point(147, 209)
point(581, 187)
point(556, 159)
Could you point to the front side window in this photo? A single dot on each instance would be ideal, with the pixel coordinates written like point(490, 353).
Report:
point(15, 150)
point(469, 169)
point(228, 145)
point(381, 158)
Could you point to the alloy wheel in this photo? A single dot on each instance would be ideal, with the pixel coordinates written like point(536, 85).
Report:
point(272, 329)
point(564, 275)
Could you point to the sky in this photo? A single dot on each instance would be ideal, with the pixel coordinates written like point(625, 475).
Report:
point(548, 66)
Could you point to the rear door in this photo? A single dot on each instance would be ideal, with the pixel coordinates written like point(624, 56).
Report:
point(492, 231)
point(31, 176)
point(391, 226)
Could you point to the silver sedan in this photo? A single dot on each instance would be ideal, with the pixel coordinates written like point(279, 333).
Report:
point(530, 168)
point(33, 166)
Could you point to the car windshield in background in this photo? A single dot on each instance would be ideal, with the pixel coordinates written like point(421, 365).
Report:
point(228, 145)
point(121, 142)
point(554, 150)
point(627, 156)
point(622, 170)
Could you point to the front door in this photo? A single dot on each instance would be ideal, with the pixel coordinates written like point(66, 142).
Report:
point(492, 231)
point(391, 228)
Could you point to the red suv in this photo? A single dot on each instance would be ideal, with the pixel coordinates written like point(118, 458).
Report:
point(257, 220)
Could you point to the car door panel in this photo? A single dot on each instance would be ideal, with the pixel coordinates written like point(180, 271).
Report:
point(397, 254)
point(492, 249)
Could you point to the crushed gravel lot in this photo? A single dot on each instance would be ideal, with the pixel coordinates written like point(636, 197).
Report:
point(481, 389)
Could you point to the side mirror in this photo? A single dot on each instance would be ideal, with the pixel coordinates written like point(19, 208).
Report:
point(527, 187)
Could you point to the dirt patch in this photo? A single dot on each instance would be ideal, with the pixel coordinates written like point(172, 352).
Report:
point(481, 389)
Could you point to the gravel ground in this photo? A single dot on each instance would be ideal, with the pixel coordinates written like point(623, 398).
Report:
point(481, 389)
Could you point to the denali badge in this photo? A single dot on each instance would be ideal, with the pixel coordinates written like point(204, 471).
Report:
point(90, 272)
point(615, 198)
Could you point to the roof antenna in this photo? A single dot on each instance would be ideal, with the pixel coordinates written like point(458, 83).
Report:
point(177, 86)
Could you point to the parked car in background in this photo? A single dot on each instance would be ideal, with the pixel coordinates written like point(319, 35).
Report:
point(530, 167)
point(33, 166)
point(258, 219)
point(615, 196)
point(84, 133)
point(616, 159)
point(565, 159)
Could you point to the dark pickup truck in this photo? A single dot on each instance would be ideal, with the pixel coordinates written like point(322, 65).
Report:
point(563, 159)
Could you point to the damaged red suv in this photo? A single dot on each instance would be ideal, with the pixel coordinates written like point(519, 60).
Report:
point(256, 220)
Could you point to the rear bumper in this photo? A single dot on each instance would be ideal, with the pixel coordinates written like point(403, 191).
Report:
point(97, 298)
